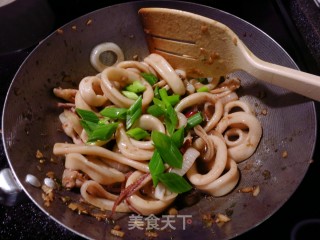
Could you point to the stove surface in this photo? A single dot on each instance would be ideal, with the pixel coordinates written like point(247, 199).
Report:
point(288, 22)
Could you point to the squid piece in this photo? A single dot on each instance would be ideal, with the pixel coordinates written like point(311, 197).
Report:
point(138, 66)
point(128, 149)
point(248, 145)
point(165, 70)
point(229, 85)
point(91, 91)
point(147, 122)
point(146, 205)
point(218, 164)
point(81, 103)
point(66, 94)
point(225, 183)
point(209, 146)
point(182, 120)
point(95, 169)
point(113, 75)
point(105, 154)
point(73, 178)
point(237, 104)
point(199, 98)
point(71, 126)
point(93, 193)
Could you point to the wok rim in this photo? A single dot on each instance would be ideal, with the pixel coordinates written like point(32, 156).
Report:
point(70, 23)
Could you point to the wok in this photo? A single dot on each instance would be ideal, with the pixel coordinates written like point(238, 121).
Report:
point(30, 123)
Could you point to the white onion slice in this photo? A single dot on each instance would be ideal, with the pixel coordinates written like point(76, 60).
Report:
point(162, 193)
point(188, 159)
point(105, 47)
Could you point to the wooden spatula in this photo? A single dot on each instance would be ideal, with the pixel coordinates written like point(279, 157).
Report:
point(206, 48)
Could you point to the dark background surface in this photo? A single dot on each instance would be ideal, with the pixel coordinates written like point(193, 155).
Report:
point(294, 24)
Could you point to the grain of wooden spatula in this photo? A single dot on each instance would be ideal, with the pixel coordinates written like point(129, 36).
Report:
point(206, 48)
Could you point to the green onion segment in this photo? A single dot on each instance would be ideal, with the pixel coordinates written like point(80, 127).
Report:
point(114, 113)
point(135, 87)
point(167, 151)
point(150, 78)
point(138, 133)
point(174, 182)
point(134, 112)
point(156, 167)
point(194, 120)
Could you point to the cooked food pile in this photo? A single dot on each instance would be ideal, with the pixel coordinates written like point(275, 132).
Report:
point(143, 132)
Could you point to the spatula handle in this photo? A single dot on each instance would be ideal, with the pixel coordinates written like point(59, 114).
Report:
point(293, 80)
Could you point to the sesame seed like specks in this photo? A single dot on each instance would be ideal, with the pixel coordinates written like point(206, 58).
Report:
point(284, 154)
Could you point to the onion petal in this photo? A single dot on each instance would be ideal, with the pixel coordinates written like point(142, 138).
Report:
point(189, 158)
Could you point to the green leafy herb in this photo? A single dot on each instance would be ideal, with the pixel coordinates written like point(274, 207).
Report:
point(156, 92)
point(114, 113)
point(169, 99)
point(156, 167)
point(88, 126)
point(164, 95)
point(138, 133)
point(130, 95)
point(174, 182)
point(173, 99)
point(203, 89)
point(94, 127)
point(178, 137)
point(150, 78)
point(167, 149)
point(87, 115)
point(164, 107)
point(155, 110)
point(136, 87)
point(102, 132)
point(159, 103)
point(104, 120)
point(134, 112)
point(170, 119)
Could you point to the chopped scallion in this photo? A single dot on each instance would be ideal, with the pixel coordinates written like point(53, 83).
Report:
point(164, 95)
point(130, 95)
point(156, 167)
point(168, 99)
point(102, 132)
point(170, 119)
point(167, 149)
point(88, 126)
point(194, 120)
point(174, 182)
point(136, 87)
point(114, 113)
point(134, 112)
point(156, 92)
point(87, 115)
point(173, 99)
point(203, 89)
point(104, 120)
point(178, 137)
point(138, 133)
point(155, 110)
point(150, 78)
point(159, 103)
